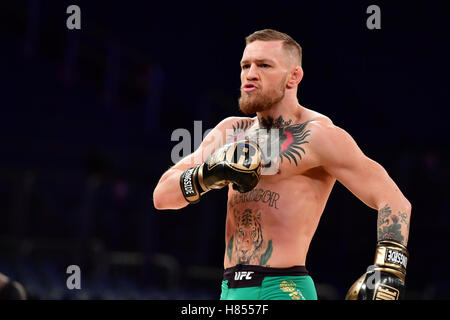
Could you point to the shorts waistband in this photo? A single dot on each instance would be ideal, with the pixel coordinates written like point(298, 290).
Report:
point(241, 276)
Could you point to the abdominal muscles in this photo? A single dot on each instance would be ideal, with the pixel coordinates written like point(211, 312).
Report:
point(273, 227)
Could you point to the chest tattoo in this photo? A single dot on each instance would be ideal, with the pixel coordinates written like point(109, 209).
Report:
point(278, 138)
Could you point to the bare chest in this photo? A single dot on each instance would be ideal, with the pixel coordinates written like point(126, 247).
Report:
point(286, 151)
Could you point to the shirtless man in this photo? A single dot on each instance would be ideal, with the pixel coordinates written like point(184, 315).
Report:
point(272, 216)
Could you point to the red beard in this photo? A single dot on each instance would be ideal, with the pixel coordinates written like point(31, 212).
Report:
point(259, 101)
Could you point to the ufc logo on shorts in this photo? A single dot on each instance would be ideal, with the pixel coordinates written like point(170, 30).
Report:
point(239, 275)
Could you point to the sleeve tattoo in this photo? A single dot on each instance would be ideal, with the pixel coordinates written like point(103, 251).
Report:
point(393, 226)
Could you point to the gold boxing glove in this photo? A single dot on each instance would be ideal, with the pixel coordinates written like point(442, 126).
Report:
point(385, 280)
point(238, 163)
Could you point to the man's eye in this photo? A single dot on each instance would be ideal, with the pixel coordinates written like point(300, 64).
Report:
point(245, 66)
point(265, 65)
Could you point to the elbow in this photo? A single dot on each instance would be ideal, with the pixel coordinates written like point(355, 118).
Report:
point(158, 200)
point(157, 204)
point(163, 201)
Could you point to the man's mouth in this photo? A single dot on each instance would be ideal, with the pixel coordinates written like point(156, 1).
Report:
point(249, 87)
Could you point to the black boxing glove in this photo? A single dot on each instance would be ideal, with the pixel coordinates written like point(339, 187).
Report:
point(238, 163)
point(385, 280)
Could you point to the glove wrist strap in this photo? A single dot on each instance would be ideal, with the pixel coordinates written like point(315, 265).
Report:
point(189, 185)
point(391, 254)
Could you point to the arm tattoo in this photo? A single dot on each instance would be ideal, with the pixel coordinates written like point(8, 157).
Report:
point(404, 219)
point(390, 225)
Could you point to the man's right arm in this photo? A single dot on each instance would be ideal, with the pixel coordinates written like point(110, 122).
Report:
point(167, 194)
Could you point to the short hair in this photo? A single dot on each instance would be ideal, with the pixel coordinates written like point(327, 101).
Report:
point(289, 44)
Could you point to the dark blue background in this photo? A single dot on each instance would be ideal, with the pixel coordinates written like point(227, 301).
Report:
point(87, 117)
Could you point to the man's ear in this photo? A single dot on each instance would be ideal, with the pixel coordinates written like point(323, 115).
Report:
point(295, 77)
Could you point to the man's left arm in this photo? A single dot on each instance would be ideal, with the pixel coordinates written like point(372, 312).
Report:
point(366, 179)
point(369, 181)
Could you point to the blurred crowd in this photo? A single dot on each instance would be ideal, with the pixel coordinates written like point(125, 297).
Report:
point(86, 127)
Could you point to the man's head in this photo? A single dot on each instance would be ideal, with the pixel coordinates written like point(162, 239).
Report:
point(270, 65)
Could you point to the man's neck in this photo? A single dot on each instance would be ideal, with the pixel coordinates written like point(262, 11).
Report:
point(279, 116)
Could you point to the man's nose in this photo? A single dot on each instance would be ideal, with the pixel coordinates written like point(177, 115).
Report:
point(252, 73)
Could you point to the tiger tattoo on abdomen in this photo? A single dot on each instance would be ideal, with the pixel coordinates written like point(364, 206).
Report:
point(247, 245)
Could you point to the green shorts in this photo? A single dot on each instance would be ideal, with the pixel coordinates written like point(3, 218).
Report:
point(246, 282)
